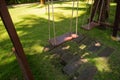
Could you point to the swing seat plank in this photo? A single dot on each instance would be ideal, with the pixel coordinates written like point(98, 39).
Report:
point(60, 39)
point(90, 25)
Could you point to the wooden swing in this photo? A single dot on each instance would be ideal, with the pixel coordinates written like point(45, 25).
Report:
point(65, 37)
point(92, 23)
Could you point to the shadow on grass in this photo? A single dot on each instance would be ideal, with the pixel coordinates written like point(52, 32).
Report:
point(41, 66)
point(40, 63)
point(114, 72)
point(33, 32)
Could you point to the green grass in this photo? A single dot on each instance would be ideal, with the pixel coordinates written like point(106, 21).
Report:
point(31, 24)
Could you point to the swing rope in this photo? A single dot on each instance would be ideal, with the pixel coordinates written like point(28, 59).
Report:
point(54, 29)
point(95, 12)
point(71, 24)
point(101, 10)
point(97, 7)
point(77, 17)
point(83, 19)
point(91, 24)
point(90, 13)
point(66, 37)
point(73, 3)
point(49, 20)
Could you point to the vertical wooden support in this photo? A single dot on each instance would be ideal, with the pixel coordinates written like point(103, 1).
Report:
point(117, 19)
point(20, 55)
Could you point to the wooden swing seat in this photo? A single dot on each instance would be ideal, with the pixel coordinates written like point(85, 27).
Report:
point(90, 25)
point(61, 39)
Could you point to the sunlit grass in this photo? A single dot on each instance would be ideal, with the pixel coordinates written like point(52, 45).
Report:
point(4, 36)
point(5, 60)
point(112, 4)
point(60, 11)
point(31, 23)
point(102, 64)
point(37, 48)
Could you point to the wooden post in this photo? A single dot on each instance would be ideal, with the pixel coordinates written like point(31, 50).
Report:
point(20, 55)
point(117, 19)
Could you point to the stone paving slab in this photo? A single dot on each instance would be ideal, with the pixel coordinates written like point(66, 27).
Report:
point(87, 41)
point(106, 52)
point(94, 47)
point(85, 73)
point(80, 38)
point(68, 58)
point(73, 62)
point(72, 67)
point(59, 51)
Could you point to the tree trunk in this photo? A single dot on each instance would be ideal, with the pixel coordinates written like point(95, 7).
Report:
point(42, 2)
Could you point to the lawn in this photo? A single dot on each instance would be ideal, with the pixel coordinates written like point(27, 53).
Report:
point(31, 23)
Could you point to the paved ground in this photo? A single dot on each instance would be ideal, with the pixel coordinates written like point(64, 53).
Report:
point(72, 55)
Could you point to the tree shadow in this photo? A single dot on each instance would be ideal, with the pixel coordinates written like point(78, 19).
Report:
point(42, 68)
point(33, 33)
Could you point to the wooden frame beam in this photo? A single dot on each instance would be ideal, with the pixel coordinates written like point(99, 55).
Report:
point(117, 19)
point(20, 55)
